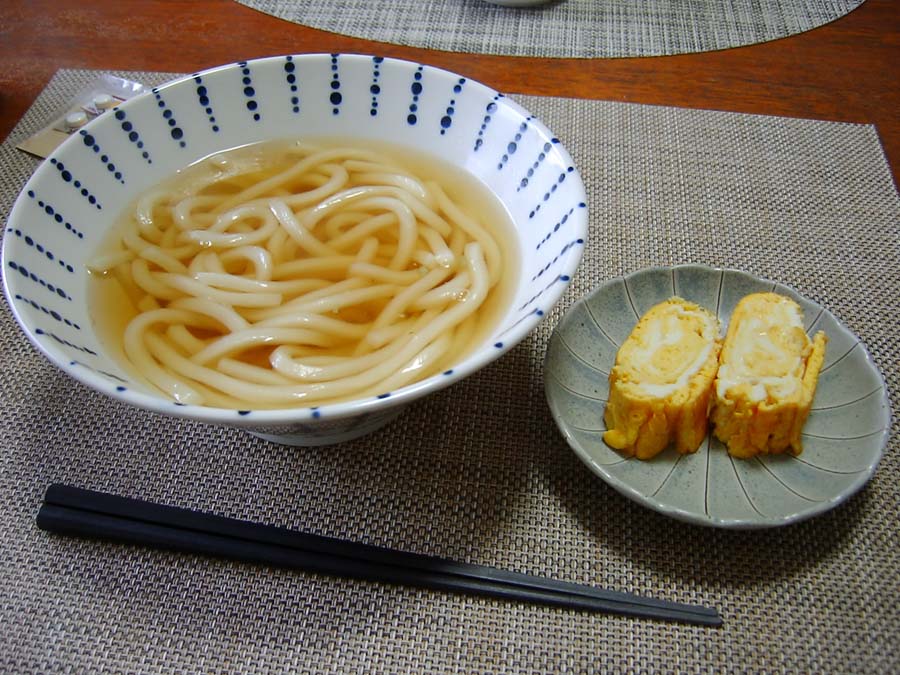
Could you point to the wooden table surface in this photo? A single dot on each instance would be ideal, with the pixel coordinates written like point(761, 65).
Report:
point(845, 71)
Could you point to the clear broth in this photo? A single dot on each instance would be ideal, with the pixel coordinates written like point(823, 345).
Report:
point(112, 309)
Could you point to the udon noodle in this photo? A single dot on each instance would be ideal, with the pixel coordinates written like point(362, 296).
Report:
point(297, 274)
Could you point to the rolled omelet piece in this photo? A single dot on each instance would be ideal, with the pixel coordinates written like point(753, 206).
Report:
point(767, 377)
point(662, 380)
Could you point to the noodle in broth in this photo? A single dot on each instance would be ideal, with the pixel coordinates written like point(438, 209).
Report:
point(296, 273)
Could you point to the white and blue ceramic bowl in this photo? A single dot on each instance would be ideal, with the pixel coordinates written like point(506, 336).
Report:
point(74, 197)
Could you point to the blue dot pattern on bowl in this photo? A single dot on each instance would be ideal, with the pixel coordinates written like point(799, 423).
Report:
point(375, 87)
point(64, 342)
point(416, 89)
point(40, 248)
point(56, 216)
point(92, 144)
point(67, 177)
point(127, 128)
point(513, 144)
point(105, 373)
point(335, 96)
point(249, 92)
point(175, 131)
point(34, 278)
point(290, 78)
point(99, 170)
point(202, 99)
point(447, 120)
point(541, 156)
point(49, 312)
point(490, 109)
point(562, 221)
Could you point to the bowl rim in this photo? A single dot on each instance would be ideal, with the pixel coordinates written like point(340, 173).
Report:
point(481, 357)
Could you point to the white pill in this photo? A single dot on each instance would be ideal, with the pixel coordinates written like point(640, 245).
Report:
point(104, 102)
point(76, 119)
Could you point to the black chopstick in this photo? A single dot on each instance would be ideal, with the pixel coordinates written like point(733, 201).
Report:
point(87, 513)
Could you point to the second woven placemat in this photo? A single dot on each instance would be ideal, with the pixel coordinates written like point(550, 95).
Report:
point(565, 28)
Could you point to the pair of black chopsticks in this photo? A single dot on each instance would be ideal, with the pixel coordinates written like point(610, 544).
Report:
point(86, 513)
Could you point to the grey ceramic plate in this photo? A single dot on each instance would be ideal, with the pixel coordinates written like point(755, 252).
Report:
point(843, 439)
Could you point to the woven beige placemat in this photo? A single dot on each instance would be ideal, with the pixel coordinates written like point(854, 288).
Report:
point(478, 472)
point(564, 28)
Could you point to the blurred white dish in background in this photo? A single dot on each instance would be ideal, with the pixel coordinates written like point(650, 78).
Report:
point(518, 3)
